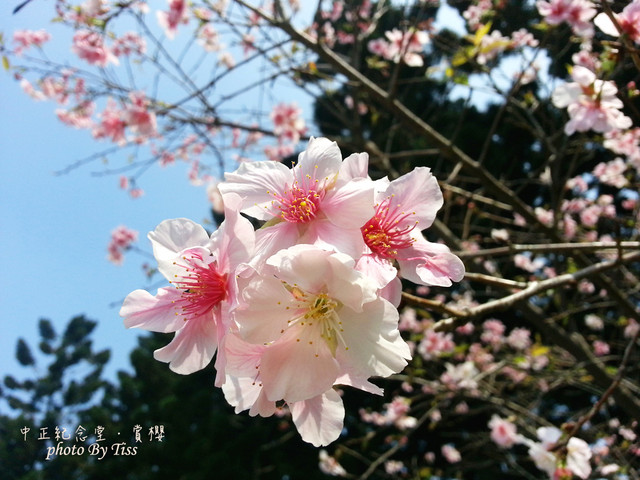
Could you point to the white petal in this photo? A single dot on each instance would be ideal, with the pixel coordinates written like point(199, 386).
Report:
point(604, 23)
point(359, 383)
point(319, 420)
point(172, 236)
point(355, 165)
point(256, 183)
point(330, 236)
point(351, 205)
point(373, 345)
point(266, 312)
point(321, 160)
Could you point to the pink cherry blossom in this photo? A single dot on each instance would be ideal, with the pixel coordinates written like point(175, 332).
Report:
point(503, 432)
point(628, 20)
point(403, 208)
point(24, 39)
point(474, 13)
point(405, 47)
point(139, 118)
point(329, 465)
point(176, 15)
point(128, 44)
point(209, 39)
point(90, 47)
point(592, 104)
point(612, 173)
point(30, 90)
point(576, 13)
point(288, 124)
point(320, 320)
point(450, 453)
point(202, 270)
point(310, 203)
point(79, 116)
point(111, 124)
point(121, 239)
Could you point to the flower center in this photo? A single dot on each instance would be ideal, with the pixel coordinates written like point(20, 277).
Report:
point(202, 285)
point(298, 205)
point(383, 235)
point(318, 311)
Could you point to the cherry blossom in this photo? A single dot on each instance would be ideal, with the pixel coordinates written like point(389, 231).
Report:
point(202, 270)
point(503, 432)
point(628, 20)
point(24, 39)
point(90, 47)
point(576, 13)
point(591, 103)
point(320, 320)
point(111, 124)
point(401, 46)
point(310, 203)
point(176, 15)
point(288, 124)
point(403, 208)
point(121, 239)
point(139, 118)
point(329, 465)
point(318, 419)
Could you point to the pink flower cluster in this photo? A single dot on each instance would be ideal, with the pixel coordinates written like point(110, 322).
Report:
point(592, 104)
point(307, 302)
point(90, 47)
point(171, 19)
point(29, 38)
point(136, 116)
point(121, 239)
point(577, 13)
point(574, 460)
point(399, 46)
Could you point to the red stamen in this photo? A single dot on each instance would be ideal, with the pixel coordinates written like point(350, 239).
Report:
point(203, 287)
point(382, 234)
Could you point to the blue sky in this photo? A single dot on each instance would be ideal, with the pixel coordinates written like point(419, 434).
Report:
point(55, 229)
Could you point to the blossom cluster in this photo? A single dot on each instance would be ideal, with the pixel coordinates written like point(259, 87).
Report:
point(308, 301)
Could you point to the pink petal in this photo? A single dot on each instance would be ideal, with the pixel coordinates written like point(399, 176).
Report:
point(298, 366)
point(243, 358)
point(235, 238)
point(193, 346)
point(157, 314)
point(417, 192)
point(319, 420)
point(427, 263)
